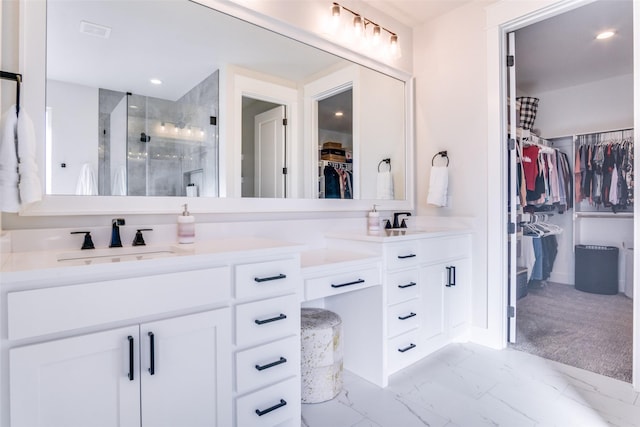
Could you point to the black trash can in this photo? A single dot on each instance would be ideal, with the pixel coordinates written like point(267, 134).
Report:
point(596, 269)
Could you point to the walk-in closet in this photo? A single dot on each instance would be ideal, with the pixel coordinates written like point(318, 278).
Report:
point(571, 186)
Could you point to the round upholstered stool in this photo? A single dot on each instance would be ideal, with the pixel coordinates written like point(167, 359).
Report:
point(321, 359)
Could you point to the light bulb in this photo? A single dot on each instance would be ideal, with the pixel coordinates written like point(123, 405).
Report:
point(376, 35)
point(393, 41)
point(335, 14)
point(358, 25)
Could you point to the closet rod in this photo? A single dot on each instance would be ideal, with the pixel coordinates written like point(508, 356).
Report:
point(603, 215)
point(5, 75)
point(604, 131)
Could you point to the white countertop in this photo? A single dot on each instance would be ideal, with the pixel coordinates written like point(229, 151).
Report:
point(393, 235)
point(150, 256)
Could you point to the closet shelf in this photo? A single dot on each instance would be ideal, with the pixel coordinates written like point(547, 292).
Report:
point(603, 215)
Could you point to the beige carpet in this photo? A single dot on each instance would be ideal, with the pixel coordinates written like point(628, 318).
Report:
point(580, 329)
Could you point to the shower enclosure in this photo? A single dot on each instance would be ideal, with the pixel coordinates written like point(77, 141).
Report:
point(157, 147)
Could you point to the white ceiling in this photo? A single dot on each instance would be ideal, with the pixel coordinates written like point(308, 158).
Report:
point(554, 53)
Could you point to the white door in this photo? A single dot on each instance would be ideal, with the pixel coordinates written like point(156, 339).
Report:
point(90, 380)
point(512, 197)
point(270, 152)
point(185, 371)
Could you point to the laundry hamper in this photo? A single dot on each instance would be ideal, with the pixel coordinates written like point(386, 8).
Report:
point(321, 359)
point(596, 269)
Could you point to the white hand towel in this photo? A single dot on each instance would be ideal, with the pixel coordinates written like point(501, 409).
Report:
point(30, 187)
point(385, 185)
point(9, 193)
point(438, 186)
point(87, 184)
point(119, 182)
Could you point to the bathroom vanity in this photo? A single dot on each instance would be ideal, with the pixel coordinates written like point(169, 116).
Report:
point(94, 340)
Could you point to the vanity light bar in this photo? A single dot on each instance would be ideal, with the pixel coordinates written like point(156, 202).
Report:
point(360, 24)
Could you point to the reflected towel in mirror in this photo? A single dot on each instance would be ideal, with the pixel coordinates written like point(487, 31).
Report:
point(30, 187)
point(385, 186)
point(87, 184)
point(438, 186)
point(119, 182)
point(9, 196)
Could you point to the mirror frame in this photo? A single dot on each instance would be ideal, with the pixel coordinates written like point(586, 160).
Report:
point(32, 65)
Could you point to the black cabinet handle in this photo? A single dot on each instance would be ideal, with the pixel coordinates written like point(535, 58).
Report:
point(273, 408)
point(267, 279)
point(408, 285)
point(130, 374)
point(451, 276)
point(272, 364)
point(453, 270)
point(408, 316)
point(406, 256)
point(348, 284)
point(407, 348)
point(273, 319)
point(152, 355)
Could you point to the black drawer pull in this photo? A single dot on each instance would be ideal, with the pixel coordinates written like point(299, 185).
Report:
point(409, 347)
point(408, 316)
point(130, 374)
point(406, 256)
point(408, 285)
point(451, 276)
point(152, 354)
point(273, 319)
point(348, 284)
point(272, 364)
point(273, 408)
point(267, 279)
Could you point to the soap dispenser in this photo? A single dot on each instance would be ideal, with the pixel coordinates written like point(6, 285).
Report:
point(186, 227)
point(373, 220)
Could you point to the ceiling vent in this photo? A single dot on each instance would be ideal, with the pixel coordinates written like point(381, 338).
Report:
point(95, 29)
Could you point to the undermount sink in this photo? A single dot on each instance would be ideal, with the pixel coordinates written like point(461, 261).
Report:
point(134, 253)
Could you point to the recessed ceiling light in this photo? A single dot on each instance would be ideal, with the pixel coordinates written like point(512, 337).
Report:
point(339, 114)
point(133, 106)
point(605, 35)
point(96, 30)
point(156, 81)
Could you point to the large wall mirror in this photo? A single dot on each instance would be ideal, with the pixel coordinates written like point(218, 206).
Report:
point(147, 101)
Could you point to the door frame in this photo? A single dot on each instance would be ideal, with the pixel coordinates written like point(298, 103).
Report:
point(502, 18)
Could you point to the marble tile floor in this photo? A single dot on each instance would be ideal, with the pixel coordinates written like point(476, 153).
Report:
point(467, 385)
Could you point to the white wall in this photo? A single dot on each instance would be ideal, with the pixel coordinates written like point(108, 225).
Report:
point(75, 141)
point(450, 58)
point(594, 107)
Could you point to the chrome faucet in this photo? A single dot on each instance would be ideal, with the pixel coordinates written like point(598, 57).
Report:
point(395, 220)
point(115, 232)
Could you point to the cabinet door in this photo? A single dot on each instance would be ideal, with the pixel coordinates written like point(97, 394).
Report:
point(432, 283)
point(90, 380)
point(458, 297)
point(186, 370)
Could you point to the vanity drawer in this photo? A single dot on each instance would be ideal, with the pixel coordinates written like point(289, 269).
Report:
point(267, 320)
point(338, 283)
point(402, 254)
point(402, 286)
point(403, 317)
point(272, 406)
point(267, 364)
point(257, 279)
point(404, 350)
point(44, 311)
point(443, 248)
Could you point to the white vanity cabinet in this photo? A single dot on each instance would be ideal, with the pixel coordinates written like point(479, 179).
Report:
point(165, 373)
point(210, 338)
point(267, 343)
point(426, 277)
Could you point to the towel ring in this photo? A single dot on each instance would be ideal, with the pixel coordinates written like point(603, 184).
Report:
point(442, 154)
point(387, 161)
